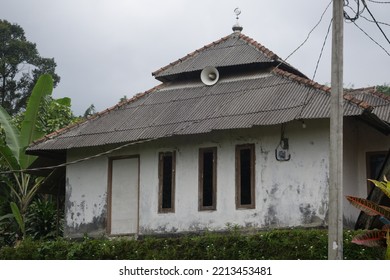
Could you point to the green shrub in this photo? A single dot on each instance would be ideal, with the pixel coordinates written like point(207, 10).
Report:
point(272, 245)
point(41, 221)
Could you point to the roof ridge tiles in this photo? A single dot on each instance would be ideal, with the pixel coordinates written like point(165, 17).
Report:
point(380, 94)
point(347, 96)
point(360, 103)
point(270, 54)
point(373, 90)
point(301, 80)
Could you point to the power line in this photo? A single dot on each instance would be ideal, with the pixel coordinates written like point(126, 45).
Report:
point(373, 18)
point(76, 161)
point(370, 20)
point(322, 49)
point(372, 39)
point(379, 2)
point(362, 16)
point(357, 12)
point(307, 37)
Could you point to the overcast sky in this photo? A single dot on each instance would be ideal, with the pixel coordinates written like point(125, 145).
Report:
point(105, 49)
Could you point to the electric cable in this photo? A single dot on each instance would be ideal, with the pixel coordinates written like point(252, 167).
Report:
point(372, 39)
point(322, 49)
point(379, 2)
point(347, 17)
point(75, 161)
point(370, 20)
point(373, 18)
point(364, 17)
point(307, 37)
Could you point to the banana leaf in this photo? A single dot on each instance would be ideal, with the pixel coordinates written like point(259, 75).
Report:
point(11, 134)
point(28, 132)
point(7, 154)
point(18, 217)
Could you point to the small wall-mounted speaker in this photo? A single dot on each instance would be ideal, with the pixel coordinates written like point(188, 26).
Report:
point(209, 75)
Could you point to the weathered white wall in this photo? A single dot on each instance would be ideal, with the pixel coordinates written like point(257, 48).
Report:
point(292, 193)
point(86, 195)
point(288, 193)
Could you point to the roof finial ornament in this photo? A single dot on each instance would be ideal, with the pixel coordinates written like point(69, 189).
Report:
point(237, 27)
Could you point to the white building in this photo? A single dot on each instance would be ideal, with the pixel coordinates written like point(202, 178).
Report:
point(246, 145)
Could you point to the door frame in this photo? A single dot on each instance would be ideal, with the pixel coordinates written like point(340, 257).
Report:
point(109, 193)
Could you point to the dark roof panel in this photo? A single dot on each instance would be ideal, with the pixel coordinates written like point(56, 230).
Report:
point(235, 49)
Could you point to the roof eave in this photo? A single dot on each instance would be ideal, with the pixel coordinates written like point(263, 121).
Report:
point(375, 122)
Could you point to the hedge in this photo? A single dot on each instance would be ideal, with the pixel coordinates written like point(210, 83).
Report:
point(272, 245)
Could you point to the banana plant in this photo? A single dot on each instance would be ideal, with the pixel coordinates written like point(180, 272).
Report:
point(378, 237)
point(23, 186)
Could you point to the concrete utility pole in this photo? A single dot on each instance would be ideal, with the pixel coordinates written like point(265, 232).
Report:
point(335, 218)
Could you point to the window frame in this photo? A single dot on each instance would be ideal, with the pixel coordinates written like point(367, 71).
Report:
point(202, 151)
point(161, 156)
point(239, 148)
point(369, 175)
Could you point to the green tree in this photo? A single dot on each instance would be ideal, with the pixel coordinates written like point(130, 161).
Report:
point(54, 114)
point(384, 88)
point(23, 186)
point(20, 67)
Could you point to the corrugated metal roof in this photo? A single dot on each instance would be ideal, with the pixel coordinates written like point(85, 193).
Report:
point(188, 107)
point(379, 102)
point(268, 99)
point(235, 49)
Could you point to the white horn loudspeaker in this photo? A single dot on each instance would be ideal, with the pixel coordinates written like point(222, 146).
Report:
point(209, 75)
